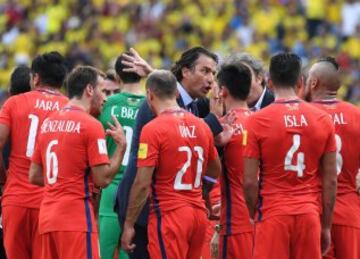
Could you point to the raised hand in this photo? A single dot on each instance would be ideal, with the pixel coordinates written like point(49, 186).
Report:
point(136, 64)
point(116, 132)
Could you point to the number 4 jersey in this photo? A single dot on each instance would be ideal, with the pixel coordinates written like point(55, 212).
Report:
point(289, 137)
point(179, 146)
point(70, 142)
point(23, 114)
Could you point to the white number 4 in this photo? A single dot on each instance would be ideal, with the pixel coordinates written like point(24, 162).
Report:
point(178, 185)
point(299, 167)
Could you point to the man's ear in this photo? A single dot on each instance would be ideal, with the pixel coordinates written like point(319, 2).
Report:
point(35, 80)
point(185, 72)
point(224, 92)
point(89, 90)
point(270, 84)
point(314, 83)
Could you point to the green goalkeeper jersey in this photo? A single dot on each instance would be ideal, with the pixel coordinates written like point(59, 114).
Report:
point(125, 107)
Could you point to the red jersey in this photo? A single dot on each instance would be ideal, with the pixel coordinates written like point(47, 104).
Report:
point(234, 217)
point(346, 119)
point(23, 114)
point(179, 146)
point(289, 137)
point(70, 143)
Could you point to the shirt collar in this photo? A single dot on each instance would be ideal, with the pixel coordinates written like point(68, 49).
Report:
point(186, 98)
point(257, 106)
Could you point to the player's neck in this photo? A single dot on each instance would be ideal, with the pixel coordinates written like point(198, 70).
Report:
point(324, 95)
point(133, 88)
point(284, 93)
point(46, 87)
point(166, 105)
point(79, 103)
point(232, 104)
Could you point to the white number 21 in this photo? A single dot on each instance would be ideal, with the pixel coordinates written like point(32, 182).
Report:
point(178, 185)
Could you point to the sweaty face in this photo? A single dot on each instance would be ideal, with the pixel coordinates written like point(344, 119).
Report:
point(98, 98)
point(201, 77)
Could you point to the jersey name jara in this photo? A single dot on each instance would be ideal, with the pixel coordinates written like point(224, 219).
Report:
point(47, 105)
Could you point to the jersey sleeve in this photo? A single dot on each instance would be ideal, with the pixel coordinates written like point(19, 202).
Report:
point(213, 154)
point(149, 148)
point(6, 112)
point(96, 145)
point(250, 140)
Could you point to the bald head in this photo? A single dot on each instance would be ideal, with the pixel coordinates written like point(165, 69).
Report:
point(325, 75)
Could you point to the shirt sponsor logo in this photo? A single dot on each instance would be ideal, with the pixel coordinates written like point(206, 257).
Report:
point(102, 147)
point(143, 151)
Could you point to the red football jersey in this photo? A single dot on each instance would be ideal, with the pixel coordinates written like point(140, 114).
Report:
point(179, 146)
point(234, 217)
point(70, 142)
point(289, 137)
point(23, 114)
point(346, 119)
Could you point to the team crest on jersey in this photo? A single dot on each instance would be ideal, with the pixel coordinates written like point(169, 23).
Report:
point(143, 151)
point(133, 101)
point(292, 106)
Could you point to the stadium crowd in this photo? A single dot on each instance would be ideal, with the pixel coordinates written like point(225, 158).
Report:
point(95, 31)
point(214, 133)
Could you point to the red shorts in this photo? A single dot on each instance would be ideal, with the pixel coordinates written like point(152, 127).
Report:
point(21, 235)
point(236, 246)
point(284, 237)
point(210, 230)
point(69, 245)
point(345, 243)
point(178, 233)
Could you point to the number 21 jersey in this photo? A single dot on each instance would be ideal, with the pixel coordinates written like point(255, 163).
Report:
point(23, 114)
point(289, 137)
point(179, 146)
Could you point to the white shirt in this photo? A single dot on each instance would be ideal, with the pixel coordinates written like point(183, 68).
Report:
point(257, 106)
point(186, 98)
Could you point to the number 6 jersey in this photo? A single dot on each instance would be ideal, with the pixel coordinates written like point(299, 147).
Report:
point(289, 137)
point(179, 146)
point(23, 114)
point(70, 143)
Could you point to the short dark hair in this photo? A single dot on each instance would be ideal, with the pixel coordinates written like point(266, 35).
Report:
point(20, 80)
point(285, 69)
point(162, 83)
point(188, 59)
point(237, 79)
point(126, 77)
point(51, 68)
point(79, 78)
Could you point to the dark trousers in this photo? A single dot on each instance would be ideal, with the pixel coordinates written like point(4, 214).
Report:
point(141, 241)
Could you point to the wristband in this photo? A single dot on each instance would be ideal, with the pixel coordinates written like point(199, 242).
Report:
point(210, 179)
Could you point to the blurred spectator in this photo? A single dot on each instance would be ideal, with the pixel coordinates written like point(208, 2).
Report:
point(93, 32)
